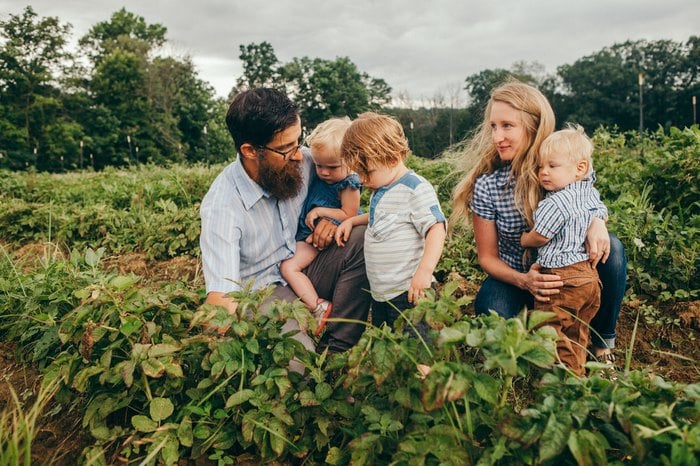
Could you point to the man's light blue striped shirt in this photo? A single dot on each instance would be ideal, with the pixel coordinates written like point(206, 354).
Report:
point(246, 232)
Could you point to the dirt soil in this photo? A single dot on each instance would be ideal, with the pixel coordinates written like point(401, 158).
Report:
point(670, 350)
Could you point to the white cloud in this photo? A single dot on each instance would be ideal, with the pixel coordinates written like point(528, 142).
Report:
point(416, 46)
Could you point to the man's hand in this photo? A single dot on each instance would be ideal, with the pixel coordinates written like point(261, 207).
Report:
point(220, 299)
point(323, 235)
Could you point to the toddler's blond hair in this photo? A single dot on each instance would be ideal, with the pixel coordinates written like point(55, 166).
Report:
point(329, 135)
point(571, 142)
point(374, 139)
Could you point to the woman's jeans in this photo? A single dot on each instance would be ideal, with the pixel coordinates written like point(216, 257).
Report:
point(508, 300)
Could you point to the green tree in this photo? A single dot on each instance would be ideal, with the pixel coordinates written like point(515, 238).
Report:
point(118, 88)
point(322, 88)
point(125, 31)
point(146, 107)
point(34, 127)
point(602, 89)
point(328, 88)
point(260, 67)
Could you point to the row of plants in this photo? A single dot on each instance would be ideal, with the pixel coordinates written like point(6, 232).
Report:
point(650, 186)
point(153, 387)
point(126, 189)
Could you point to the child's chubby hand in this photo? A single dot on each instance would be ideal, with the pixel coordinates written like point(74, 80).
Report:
point(421, 281)
point(342, 233)
point(311, 218)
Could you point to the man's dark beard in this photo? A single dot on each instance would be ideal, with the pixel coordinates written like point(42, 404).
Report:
point(281, 183)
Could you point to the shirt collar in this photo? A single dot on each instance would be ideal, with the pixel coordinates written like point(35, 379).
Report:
point(575, 186)
point(250, 191)
point(503, 177)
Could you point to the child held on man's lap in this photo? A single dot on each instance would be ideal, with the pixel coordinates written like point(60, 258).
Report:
point(333, 194)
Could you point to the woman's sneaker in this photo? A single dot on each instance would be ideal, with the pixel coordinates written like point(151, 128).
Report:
point(321, 313)
point(610, 371)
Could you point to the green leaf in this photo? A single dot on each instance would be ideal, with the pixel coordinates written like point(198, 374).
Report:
point(122, 282)
point(283, 352)
point(323, 391)
point(253, 346)
point(555, 435)
point(171, 450)
point(184, 432)
point(279, 410)
point(91, 258)
point(283, 385)
point(278, 436)
point(81, 378)
point(535, 318)
point(450, 335)
point(384, 357)
point(152, 368)
point(100, 432)
point(161, 408)
point(144, 423)
point(127, 372)
point(541, 356)
point(239, 397)
point(162, 349)
point(130, 325)
point(174, 369)
point(588, 448)
point(201, 431)
point(486, 387)
point(334, 457)
point(307, 398)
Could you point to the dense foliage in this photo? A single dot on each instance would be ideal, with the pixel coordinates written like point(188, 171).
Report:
point(153, 387)
point(116, 102)
point(650, 187)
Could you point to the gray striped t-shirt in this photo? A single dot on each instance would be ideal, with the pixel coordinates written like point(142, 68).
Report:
point(400, 216)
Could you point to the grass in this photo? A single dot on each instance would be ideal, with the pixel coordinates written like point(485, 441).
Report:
point(18, 425)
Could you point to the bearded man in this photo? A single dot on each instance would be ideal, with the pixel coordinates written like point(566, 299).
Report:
point(250, 215)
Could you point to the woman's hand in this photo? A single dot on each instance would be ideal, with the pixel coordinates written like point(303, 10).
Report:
point(540, 285)
point(597, 242)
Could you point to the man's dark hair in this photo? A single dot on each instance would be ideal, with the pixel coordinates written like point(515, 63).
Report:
point(256, 115)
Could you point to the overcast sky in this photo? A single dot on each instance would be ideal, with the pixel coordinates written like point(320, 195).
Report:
point(418, 47)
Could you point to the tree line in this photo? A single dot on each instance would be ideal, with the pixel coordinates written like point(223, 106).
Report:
point(118, 100)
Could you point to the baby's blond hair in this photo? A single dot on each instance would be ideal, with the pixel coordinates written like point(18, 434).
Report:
point(329, 135)
point(374, 139)
point(571, 142)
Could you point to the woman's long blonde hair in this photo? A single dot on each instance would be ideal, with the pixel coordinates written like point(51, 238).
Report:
point(538, 118)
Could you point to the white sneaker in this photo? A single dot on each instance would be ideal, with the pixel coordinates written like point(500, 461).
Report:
point(321, 313)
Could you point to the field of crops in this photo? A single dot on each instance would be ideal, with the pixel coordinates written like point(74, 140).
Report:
point(102, 343)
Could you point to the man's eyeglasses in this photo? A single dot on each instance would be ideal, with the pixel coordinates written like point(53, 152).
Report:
point(288, 153)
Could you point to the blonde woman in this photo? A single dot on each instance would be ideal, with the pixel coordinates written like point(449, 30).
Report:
point(502, 192)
